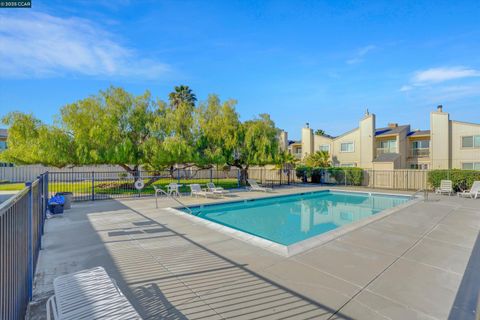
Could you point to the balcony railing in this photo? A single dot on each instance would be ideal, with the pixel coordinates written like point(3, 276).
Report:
point(420, 153)
point(386, 150)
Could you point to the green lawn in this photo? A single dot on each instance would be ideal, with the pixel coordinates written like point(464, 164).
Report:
point(119, 187)
point(6, 186)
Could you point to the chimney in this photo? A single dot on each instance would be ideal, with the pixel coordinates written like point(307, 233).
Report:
point(392, 125)
point(307, 125)
point(440, 108)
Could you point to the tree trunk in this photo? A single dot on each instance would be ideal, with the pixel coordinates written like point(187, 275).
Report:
point(243, 175)
point(135, 172)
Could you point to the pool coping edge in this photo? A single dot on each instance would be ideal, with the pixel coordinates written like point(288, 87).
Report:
point(304, 245)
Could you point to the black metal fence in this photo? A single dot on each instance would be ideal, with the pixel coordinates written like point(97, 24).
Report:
point(89, 186)
point(21, 227)
point(273, 177)
point(111, 185)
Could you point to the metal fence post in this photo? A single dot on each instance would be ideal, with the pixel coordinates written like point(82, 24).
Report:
point(345, 175)
point(178, 176)
point(238, 177)
point(93, 185)
point(30, 239)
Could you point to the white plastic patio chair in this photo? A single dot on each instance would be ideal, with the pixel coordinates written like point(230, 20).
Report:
point(446, 187)
point(473, 193)
point(212, 188)
point(88, 294)
point(196, 190)
point(255, 187)
point(173, 189)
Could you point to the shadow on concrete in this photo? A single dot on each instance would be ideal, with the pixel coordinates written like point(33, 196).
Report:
point(167, 275)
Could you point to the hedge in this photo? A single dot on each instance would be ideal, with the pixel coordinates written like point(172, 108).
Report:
point(303, 172)
point(354, 175)
point(461, 179)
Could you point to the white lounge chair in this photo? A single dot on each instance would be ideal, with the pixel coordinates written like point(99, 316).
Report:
point(473, 193)
point(88, 294)
point(446, 187)
point(212, 188)
point(196, 190)
point(255, 187)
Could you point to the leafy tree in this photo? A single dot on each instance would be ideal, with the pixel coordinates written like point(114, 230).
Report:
point(111, 128)
point(318, 159)
point(219, 129)
point(116, 127)
point(319, 132)
point(257, 145)
point(182, 94)
point(32, 142)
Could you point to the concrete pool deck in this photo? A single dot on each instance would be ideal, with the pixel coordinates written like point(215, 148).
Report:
point(408, 265)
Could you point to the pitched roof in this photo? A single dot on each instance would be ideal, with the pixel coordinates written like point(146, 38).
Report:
point(3, 133)
point(419, 133)
point(388, 130)
point(386, 157)
point(294, 141)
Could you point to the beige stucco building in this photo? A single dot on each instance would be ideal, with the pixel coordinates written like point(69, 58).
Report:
point(448, 144)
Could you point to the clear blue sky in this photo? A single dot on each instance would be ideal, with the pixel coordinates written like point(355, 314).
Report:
point(321, 62)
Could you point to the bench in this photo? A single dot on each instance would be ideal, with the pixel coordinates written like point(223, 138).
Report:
point(88, 294)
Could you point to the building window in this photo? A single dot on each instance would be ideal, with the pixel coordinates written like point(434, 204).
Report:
point(387, 146)
point(471, 166)
point(421, 144)
point(3, 145)
point(324, 147)
point(420, 148)
point(471, 142)
point(347, 147)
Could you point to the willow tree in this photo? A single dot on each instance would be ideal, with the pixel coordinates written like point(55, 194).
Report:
point(257, 145)
point(218, 130)
point(110, 128)
point(32, 142)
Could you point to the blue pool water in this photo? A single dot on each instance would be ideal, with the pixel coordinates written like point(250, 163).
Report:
point(293, 218)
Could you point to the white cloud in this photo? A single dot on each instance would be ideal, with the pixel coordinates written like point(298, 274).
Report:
point(42, 45)
point(360, 54)
point(434, 76)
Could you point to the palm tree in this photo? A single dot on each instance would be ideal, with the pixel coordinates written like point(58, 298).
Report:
point(286, 160)
point(319, 132)
point(318, 159)
point(182, 94)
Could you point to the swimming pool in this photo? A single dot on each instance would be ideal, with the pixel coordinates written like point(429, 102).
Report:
point(291, 219)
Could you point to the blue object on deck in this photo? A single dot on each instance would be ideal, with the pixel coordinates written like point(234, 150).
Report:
point(55, 204)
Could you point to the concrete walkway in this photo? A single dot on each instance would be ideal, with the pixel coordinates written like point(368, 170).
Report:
point(408, 265)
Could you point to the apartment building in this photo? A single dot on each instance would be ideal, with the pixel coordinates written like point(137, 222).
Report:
point(448, 144)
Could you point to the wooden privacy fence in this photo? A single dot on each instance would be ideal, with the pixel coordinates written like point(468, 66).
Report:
point(31, 172)
point(400, 179)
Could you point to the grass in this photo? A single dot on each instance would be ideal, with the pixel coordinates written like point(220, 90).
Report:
point(126, 186)
point(119, 187)
point(7, 186)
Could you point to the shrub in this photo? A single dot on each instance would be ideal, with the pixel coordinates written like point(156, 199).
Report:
point(461, 179)
point(303, 172)
point(353, 176)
